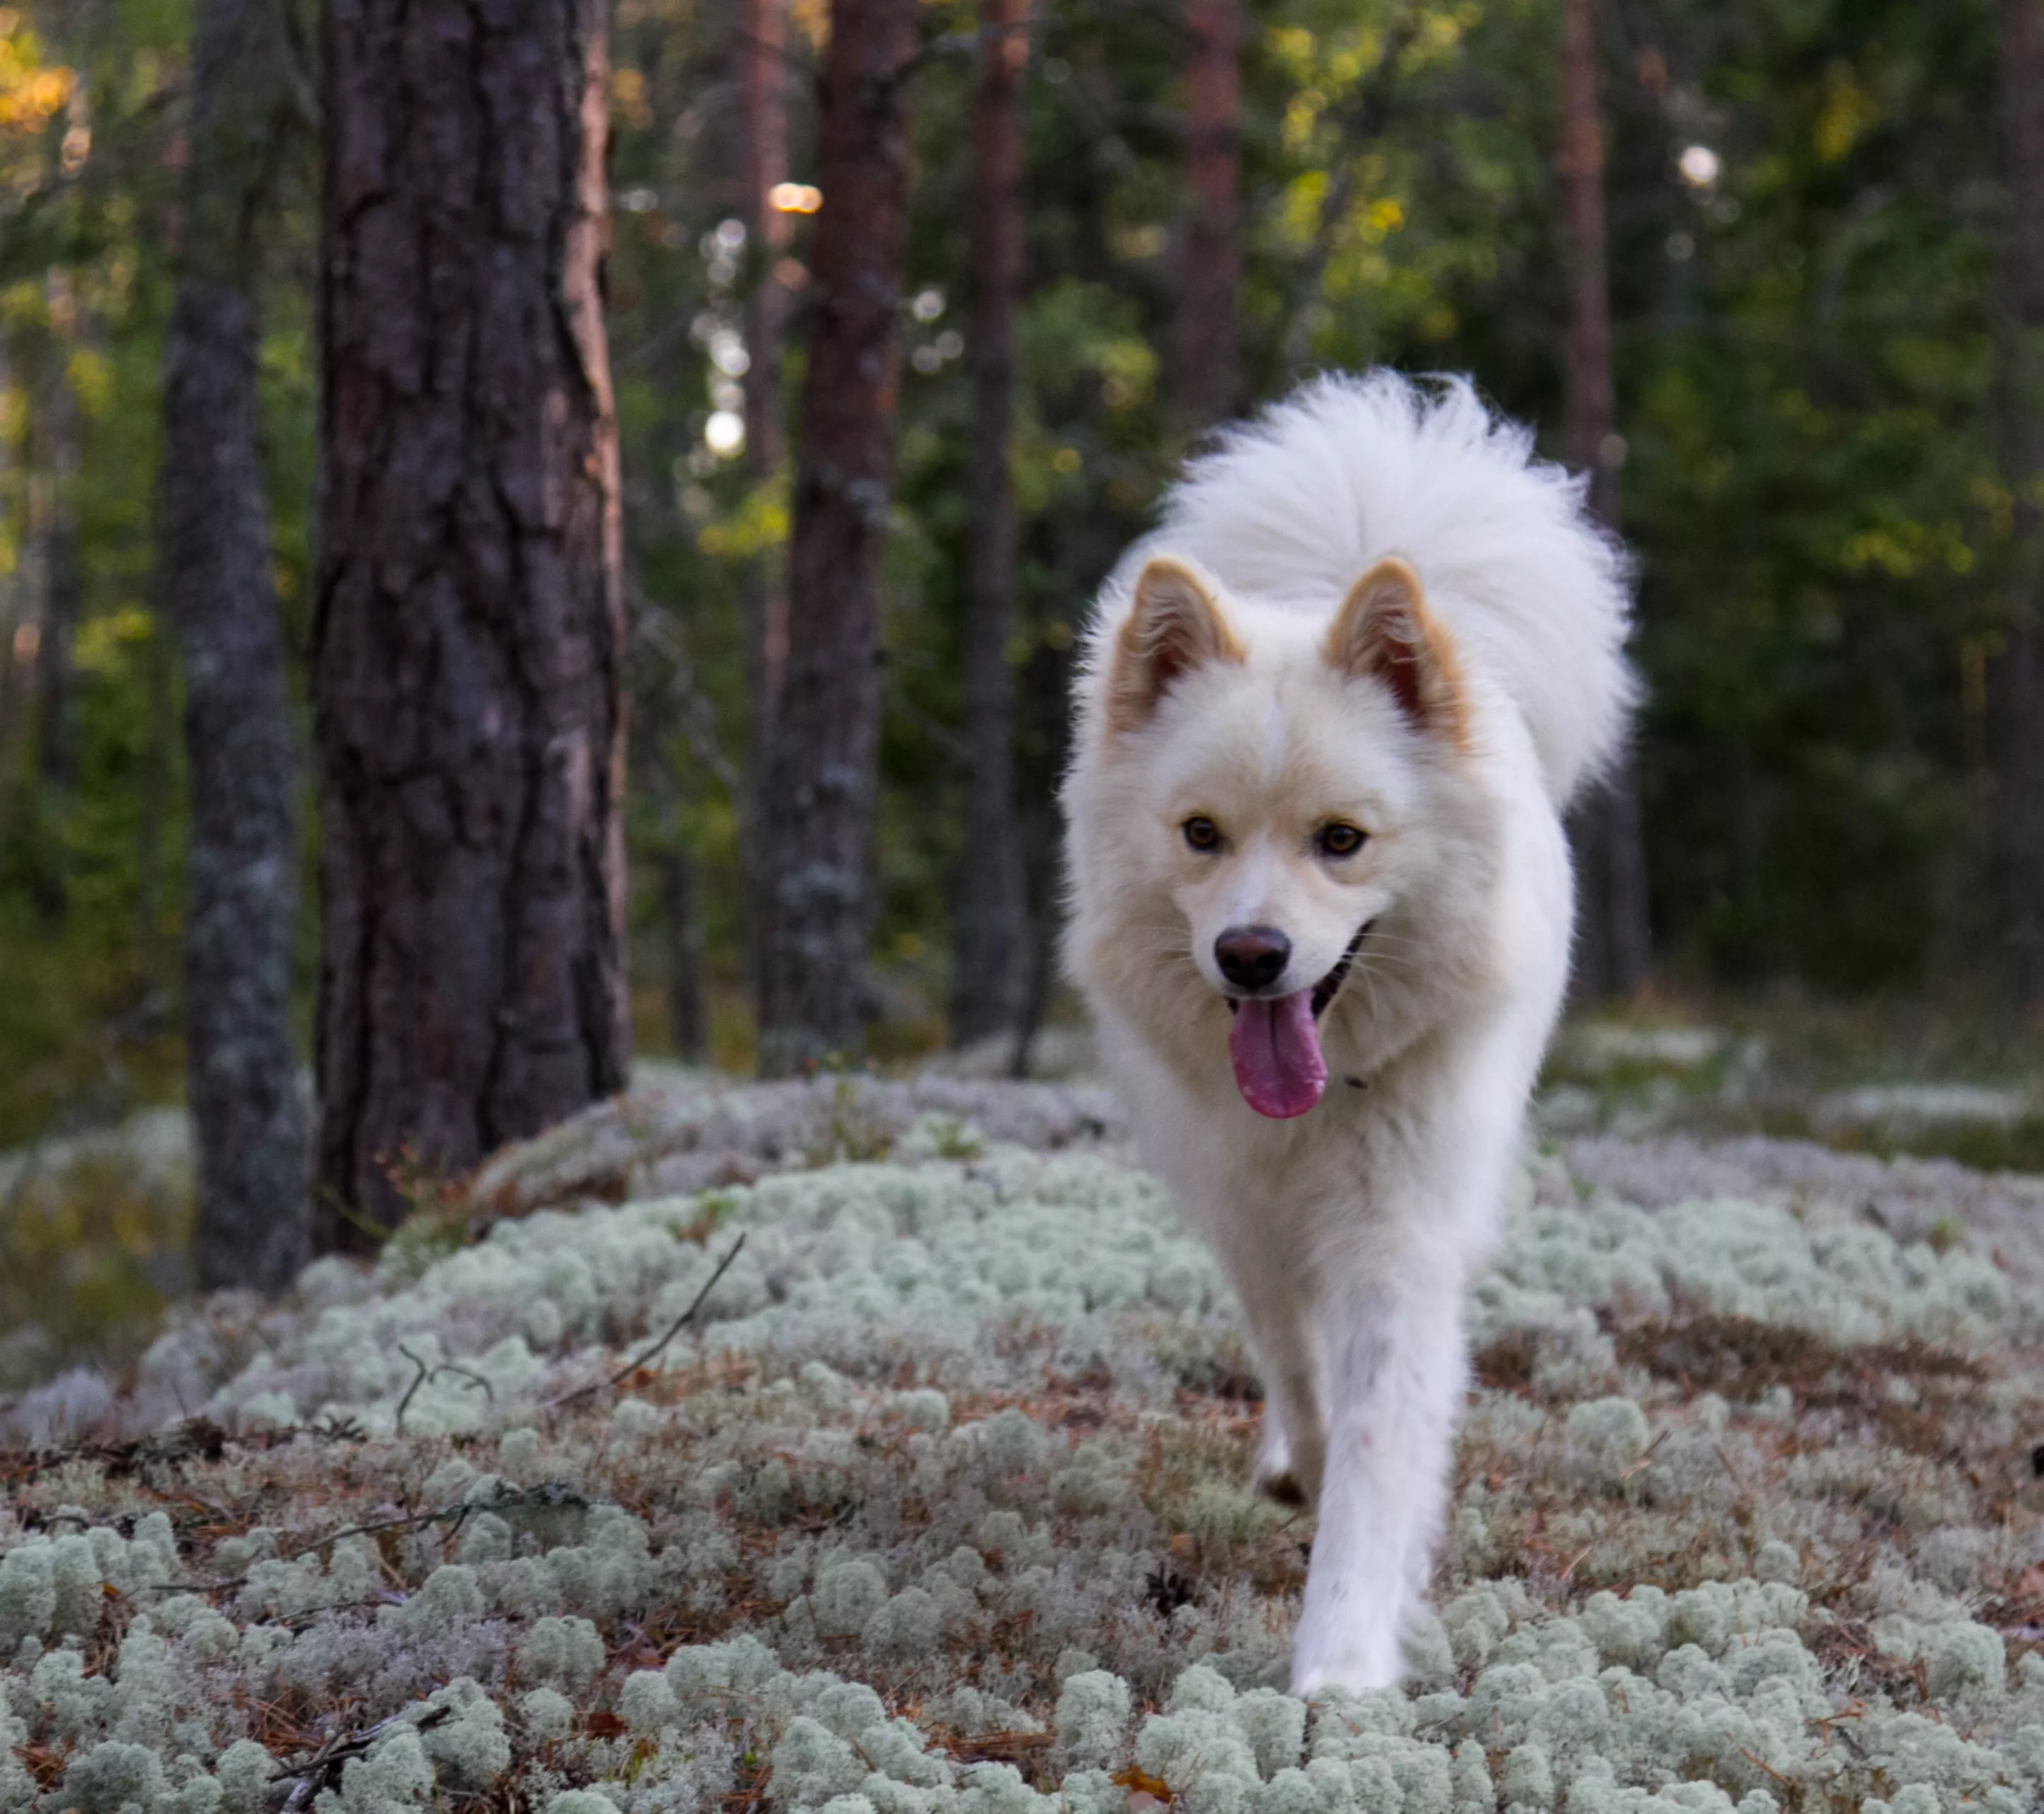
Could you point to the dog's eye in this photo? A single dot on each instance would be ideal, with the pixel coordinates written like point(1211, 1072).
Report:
point(1341, 840)
point(1202, 834)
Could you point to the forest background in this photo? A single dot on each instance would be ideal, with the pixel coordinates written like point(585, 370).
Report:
point(1807, 241)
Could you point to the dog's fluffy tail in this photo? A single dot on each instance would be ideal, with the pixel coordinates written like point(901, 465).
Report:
point(1297, 504)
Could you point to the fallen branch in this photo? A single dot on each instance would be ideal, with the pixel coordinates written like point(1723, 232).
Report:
point(426, 1373)
point(458, 1511)
point(673, 1329)
point(310, 1774)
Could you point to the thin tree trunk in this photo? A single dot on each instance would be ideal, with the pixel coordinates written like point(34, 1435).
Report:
point(686, 1019)
point(468, 633)
point(248, 1116)
point(1610, 852)
point(63, 573)
point(156, 796)
point(763, 92)
point(17, 668)
point(987, 954)
point(817, 833)
point(1362, 122)
point(1207, 382)
point(2019, 671)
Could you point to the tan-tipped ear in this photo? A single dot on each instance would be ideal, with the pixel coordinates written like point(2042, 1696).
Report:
point(1384, 631)
point(1173, 625)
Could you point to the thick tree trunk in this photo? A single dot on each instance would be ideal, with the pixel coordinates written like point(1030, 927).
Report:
point(1613, 941)
point(468, 630)
point(248, 1115)
point(763, 101)
point(1206, 384)
point(817, 833)
point(2019, 671)
point(987, 955)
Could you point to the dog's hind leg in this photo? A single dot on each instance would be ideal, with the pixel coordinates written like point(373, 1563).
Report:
point(1397, 1370)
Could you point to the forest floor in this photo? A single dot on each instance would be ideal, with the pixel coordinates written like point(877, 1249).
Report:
point(941, 1500)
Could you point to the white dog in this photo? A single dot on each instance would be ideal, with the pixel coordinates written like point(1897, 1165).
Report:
point(1329, 718)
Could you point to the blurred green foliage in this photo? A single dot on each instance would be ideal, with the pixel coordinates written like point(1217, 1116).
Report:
point(1803, 366)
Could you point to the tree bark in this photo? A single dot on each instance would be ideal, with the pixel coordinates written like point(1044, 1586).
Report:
point(763, 101)
point(2020, 670)
point(155, 794)
point(1361, 123)
point(62, 435)
point(762, 91)
point(816, 832)
point(686, 1019)
point(468, 630)
point(986, 941)
point(1207, 381)
point(248, 1116)
point(1613, 943)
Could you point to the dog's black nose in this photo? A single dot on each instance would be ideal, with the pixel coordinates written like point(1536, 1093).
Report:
point(1252, 957)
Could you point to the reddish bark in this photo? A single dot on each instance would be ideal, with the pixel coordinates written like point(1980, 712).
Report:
point(468, 626)
point(1614, 943)
point(987, 937)
point(763, 161)
point(763, 98)
point(816, 831)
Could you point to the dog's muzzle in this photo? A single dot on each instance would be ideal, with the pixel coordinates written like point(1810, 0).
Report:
point(1329, 986)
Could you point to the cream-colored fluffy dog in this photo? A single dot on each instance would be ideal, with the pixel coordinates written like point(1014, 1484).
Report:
point(1330, 716)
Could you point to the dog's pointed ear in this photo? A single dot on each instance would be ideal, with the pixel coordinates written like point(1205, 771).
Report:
point(1384, 631)
point(1174, 624)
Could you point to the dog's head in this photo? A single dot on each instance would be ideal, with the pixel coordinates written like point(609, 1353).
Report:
point(1268, 803)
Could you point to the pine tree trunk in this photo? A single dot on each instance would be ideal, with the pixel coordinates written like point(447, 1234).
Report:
point(764, 100)
point(248, 1117)
point(1613, 943)
point(987, 937)
point(1206, 384)
point(155, 794)
point(686, 1019)
point(762, 90)
point(816, 834)
point(468, 631)
point(62, 433)
point(2019, 670)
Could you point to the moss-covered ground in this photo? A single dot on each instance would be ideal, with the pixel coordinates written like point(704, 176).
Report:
point(940, 1501)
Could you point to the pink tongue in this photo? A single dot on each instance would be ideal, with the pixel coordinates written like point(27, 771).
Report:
point(1276, 1052)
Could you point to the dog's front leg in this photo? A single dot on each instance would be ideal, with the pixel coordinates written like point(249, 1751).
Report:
point(1276, 1301)
point(1395, 1370)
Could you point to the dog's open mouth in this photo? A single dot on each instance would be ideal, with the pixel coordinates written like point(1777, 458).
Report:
point(1275, 1042)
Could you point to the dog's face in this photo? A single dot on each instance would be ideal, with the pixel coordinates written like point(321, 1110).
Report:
point(1281, 799)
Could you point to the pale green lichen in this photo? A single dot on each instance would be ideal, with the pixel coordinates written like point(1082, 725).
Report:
point(942, 1508)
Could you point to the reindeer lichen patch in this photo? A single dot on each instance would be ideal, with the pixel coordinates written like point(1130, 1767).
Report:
point(941, 1504)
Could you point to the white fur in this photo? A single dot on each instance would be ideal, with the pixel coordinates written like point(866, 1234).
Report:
point(1352, 1232)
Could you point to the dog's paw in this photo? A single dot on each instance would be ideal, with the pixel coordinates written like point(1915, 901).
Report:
point(1284, 1488)
point(1275, 1475)
point(1354, 1674)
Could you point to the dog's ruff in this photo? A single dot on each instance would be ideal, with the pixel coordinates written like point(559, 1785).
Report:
point(1371, 608)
